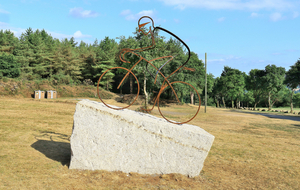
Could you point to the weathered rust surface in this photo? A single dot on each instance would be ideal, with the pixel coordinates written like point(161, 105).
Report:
point(165, 83)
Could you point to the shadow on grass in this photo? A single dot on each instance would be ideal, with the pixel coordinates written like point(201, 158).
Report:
point(58, 151)
point(270, 115)
point(297, 126)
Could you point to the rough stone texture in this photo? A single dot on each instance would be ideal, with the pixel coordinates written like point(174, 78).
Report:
point(130, 141)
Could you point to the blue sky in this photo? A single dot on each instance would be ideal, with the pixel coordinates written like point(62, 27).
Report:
point(240, 34)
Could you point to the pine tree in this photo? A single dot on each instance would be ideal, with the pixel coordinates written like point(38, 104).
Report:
point(105, 59)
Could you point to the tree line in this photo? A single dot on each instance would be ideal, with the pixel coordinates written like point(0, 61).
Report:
point(36, 55)
point(264, 88)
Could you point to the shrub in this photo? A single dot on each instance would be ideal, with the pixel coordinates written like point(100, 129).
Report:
point(9, 67)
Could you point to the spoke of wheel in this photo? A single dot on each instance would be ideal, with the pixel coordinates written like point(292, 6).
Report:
point(118, 87)
point(195, 91)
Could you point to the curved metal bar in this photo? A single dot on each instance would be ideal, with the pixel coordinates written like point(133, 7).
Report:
point(118, 87)
point(165, 82)
point(165, 30)
point(161, 90)
point(146, 17)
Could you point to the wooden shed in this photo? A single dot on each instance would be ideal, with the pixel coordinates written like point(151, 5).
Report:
point(38, 94)
point(51, 94)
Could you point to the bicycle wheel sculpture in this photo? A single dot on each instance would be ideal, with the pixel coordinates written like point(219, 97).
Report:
point(103, 83)
point(188, 94)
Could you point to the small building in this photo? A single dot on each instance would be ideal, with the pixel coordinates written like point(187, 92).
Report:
point(38, 94)
point(51, 94)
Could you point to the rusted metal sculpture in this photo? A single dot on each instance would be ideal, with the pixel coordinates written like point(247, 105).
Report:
point(165, 83)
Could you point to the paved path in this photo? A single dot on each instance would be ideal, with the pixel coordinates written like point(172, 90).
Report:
point(270, 115)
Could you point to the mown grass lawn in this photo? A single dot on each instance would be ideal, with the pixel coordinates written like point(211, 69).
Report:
point(249, 151)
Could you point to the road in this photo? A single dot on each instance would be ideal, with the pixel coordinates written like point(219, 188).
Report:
point(270, 115)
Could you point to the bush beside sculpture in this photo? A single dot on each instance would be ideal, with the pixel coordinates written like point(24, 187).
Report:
point(129, 141)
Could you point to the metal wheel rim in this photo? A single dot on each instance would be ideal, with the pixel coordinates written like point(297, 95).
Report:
point(189, 119)
point(99, 92)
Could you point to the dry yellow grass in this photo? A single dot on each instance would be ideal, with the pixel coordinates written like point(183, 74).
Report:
point(249, 151)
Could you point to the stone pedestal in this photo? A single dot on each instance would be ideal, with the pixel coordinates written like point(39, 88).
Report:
point(130, 141)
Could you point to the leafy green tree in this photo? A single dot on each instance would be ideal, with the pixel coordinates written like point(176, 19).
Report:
point(292, 80)
point(216, 92)
point(105, 59)
point(234, 83)
point(283, 97)
point(66, 63)
point(219, 91)
point(96, 43)
point(131, 43)
point(9, 67)
point(296, 100)
point(8, 42)
point(87, 54)
point(255, 83)
point(195, 78)
point(274, 77)
point(25, 54)
point(35, 52)
point(73, 42)
point(249, 98)
point(140, 69)
point(140, 41)
point(41, 55)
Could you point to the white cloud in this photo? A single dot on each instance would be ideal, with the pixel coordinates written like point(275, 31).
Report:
point(3, 25)
point(253, 15)
point(17, 31)
point(295, 14)
point(221, 19)
point(216, 60)
point(146, 13)
point(78, 34)
point(80, 13)
point(4, 11)
point(59, 36)
point(225, 58)
point(232, 4)
point(292, 50)
point(130, 16)
point(125, 12)
point(275, 17)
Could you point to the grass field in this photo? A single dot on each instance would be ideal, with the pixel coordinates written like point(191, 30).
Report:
point(249, 152)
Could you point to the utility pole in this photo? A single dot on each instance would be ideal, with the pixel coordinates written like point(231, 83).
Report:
point(205, 81)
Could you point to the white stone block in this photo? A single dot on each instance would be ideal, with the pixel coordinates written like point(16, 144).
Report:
point(130, 141)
